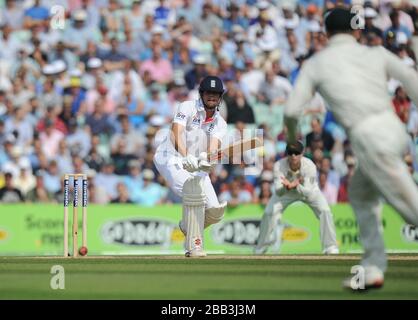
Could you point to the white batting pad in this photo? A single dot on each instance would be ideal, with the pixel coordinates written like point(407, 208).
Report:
point(194, 213)
point(214, 215)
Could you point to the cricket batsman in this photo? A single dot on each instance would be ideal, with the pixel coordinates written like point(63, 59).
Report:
point(352, 78)
point(295, 179)
point(196, 131)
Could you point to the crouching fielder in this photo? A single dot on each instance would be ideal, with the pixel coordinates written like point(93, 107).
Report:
point(197, 130)
point(295, 179)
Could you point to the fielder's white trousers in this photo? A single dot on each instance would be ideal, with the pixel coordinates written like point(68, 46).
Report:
point(379, 143)
point(176, 176)
point(278, 204)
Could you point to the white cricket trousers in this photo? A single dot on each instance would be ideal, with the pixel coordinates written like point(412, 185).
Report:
point(278, 204)
point(176, 176)
point(379, 143)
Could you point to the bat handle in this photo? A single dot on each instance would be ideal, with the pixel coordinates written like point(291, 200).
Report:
point(204, 166)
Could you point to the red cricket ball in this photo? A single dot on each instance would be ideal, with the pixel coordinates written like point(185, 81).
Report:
point(83, 251)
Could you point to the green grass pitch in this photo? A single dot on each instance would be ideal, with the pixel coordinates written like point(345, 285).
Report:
point(216, 277)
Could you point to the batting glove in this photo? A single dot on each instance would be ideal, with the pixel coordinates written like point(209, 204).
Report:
point(204, 164)
point(190, 163)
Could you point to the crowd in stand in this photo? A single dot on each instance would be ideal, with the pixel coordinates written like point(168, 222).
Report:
point(85, 86)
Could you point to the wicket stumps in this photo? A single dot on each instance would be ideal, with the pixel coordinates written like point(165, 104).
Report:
point(75, 212)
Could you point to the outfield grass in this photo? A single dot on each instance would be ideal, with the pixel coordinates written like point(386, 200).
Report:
point(179, 278)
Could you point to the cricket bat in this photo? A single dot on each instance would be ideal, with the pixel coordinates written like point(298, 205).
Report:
point(235, 150)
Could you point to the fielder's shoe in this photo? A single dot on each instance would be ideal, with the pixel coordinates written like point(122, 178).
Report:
point(260, 251)
point(331, 250)
point(195, 254)
point(373, 279)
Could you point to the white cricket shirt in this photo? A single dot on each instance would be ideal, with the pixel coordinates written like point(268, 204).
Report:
point(198, 131)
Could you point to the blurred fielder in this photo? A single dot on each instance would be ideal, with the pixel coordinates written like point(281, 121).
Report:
point(295, 179)
point(197, 129)
point(352, 78)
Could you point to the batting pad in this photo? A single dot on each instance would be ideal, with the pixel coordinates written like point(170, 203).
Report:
point(214, 215)
point(194, 212)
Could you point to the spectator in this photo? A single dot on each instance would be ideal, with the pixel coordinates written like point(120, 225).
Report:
point(369, 27)
point(62, 52)
point(156, 104)
point(235, 195)
point(208, 25)
point(318, 134)
point(9, 44)
point(134, 141)
point(146, 31)
point(35, 14)
point(113, 60)
point(133, 180)
point(78, 138)
point(99, 121)
point(126, 82)
point(189, 10)
point(134, 19)
point(64, 159)
point(123, 194)
point(94, 160)
point(160, 69)
point(401, 104)
point(25, 181)
point(112, 17)
point(78, 164)
point(329, 190)
point(195, 75)
point(20, 125)
point(234, 18)
point(10, 194)
point(52, 178)
point(91, 52)
point(152, 193)
point(345, 181)
point(77, 93)
point(50, 139)
point(39, 192)
point(96, 193)
point(163, 14)
point(12, 15)
point(274, 89)
point(133, 107)
point(413, 122)
point(409, 160)
point(131, 46)
point(15, 160)
point(332, 175)
point(238, 109)
point(49, 97)
point(265, 40)
point(108, 179)
point(51, 116)
point(99, 92)
point(121, 157)
point(79, 33)
point(397, 27)
point(264, 192)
